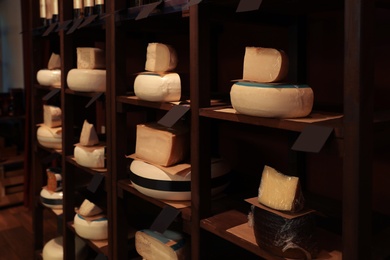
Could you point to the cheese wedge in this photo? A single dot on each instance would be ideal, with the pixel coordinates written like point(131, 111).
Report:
point(91, 58)
point(279, 191)
point(88, 136)
point(160, 57)
point(54, 62)
point(88, 209)
point(52, 116)
point(54, 179)
point(158, 88)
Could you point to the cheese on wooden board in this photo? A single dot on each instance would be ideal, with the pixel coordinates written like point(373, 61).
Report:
point(52, 116)
point(88, 209)
point(54, 62)
point(49, 78)
point(162, 145)
point(158, 88)
point(93, 229)
point(88, 136)
point(53, 249)
point(91, 157)
point(272, 100)
point(54, 179)
point(90, 58)
point(265, 64)
point(51, 199)
point(160, 57)
point(87, 80)
point(50, 137)
point(152, 245)
point(279, 191)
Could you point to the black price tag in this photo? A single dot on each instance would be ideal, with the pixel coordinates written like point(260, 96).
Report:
point(101, 257)
point(93, 99)
point(164, 219)
point(51, 94)
point(147, 10)
point(190, 3)
point(75, 25)
point(248, 5)
point(88, 20)
point(63, 26)
point(312, 138)
point(49, 29)
point(173, 115)
point(95, 182)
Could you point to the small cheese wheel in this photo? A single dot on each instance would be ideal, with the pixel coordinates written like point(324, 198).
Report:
point(92, 157)
point(90, 58)
point(158, 88)
point(53, 249)
point(273, 101)
point(52, 116)
point(50, 78)
point(50, 137)
point(51, 199)
point(265, 64)
point(87, 80)
point(96, 229)
point(160, 57)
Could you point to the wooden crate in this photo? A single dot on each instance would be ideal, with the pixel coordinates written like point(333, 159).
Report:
point(11, 180)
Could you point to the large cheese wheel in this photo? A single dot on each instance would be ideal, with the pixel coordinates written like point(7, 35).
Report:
point(51, 78)
point(50, 137)
point(87, 80)
point(53, 249)
point(91, 157)
point(51, 199)
point(160, 57)
point(268, 100)
point(158, 88)
point(154, 182)
point(96, 229)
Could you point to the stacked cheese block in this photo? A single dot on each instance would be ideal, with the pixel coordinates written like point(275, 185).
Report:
point(90, 223)
point(52, 75)
point(261, 92)
point(49, 134)
point(88, 152)
point(281, 223)
point(51, 195)
point(159, 84)
point(90, 74)
point(53, 249)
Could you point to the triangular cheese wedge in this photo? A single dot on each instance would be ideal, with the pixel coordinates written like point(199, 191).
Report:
point(88, 136)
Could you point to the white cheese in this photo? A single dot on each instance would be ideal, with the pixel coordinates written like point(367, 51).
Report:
point(50, 137)
point(265, 64)
point(272, 100)
point(51, 116)
point(279, 191)
point(91, 157)
point(160, 57)
point(50, 78)
point(158, 88)
point(51, 199)
point(88, 136)
point(53, 249)
point(88, 209)
point(161, 145)
point(86, 80)
point(90, 58)
point(92, 229)
point(54, 62)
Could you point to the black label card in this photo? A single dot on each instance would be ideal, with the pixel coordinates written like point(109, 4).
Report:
point(93, 99)
point(164, 219)
point(49, 29)
point(51, 94)
point(248, 5)
point(190, 3)
point(147, 10)
point(88, 20)
point(312, 138)
point(63, 26)
point(75, 25)
point(95, 182)
point(173, 115)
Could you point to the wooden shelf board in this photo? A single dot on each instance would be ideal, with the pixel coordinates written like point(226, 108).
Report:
point(82, 94)
point(99, 246)
point(47, 88)
point(133, 100)
point(72, 160)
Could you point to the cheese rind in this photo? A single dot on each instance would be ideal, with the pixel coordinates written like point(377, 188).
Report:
point(279, 191)
point(50, 137)
point(158, 88)
point(88, 209)
point(160, 57)
point(90, 58)
point(54, 62)
point(52, 116)
point(161, 145)
point(86, 80)
point(96, 229)
point(91, 158)
point(50, 78)
point(265, 64)
point(88, 136)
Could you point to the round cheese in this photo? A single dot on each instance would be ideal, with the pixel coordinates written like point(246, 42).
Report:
point(50, 137)
point(154, 182)
point(91, 157)
point(53, 249)
point(96, 229)
point(274, 101)
point(158, 88)
point(87, 80)
point(51, 78)
point(51, 199)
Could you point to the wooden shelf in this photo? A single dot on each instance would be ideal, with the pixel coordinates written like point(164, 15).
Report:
point(99, 246)
point(135, 101)
point(91, 171)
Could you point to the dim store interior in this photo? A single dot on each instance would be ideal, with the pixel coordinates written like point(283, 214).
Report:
point(181, 129)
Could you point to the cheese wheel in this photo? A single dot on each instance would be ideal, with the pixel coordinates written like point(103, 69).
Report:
point(265, 64)
point(160, 57)
point(52, 116)
point(273, 101)
point(88, 209)
point(50, 137)
point(154, 182)
point(53, 249)
point(90, 58)
point(158, 88)
point(50, 78)
point(86, 80)
point(88, 136)
point(51, 199)
point(96, 229)
point(91, 158)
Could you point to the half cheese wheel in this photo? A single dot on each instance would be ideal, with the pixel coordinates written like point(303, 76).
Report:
point(91, 157)
point(50, 137)
point(51, 199)
point(53, 249)
point(51, 78)
point(96, 229)
point(87, 80)
point(274, 101)
point(160, 57)
point(158, 88)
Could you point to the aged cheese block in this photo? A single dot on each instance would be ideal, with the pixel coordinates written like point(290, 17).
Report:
point(91, 58)
point(154, 182)
point(279, 191)
point(265, 64)
point(54, 62)
point(152, 245)
point(88, 136)
point(53, 249)
point(54, 179)
point(50, 137)
point(274, 101)
point(160, 57)
point(51, 116)
point(51, 199)
point(88, 209)
point(91, 157)
point(93, 229)
point(161, 145)
point(159, 88)
point(50, 78)
point(86, 80)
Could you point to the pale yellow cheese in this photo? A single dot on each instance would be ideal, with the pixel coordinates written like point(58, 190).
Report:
point(88, 136)
point(279, 191)
point(160, 57)
point(52, 116)
point(54, 62)
point(88, 209)
point(90, 58)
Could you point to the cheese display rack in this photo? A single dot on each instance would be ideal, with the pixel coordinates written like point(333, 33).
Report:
point(210, 37)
